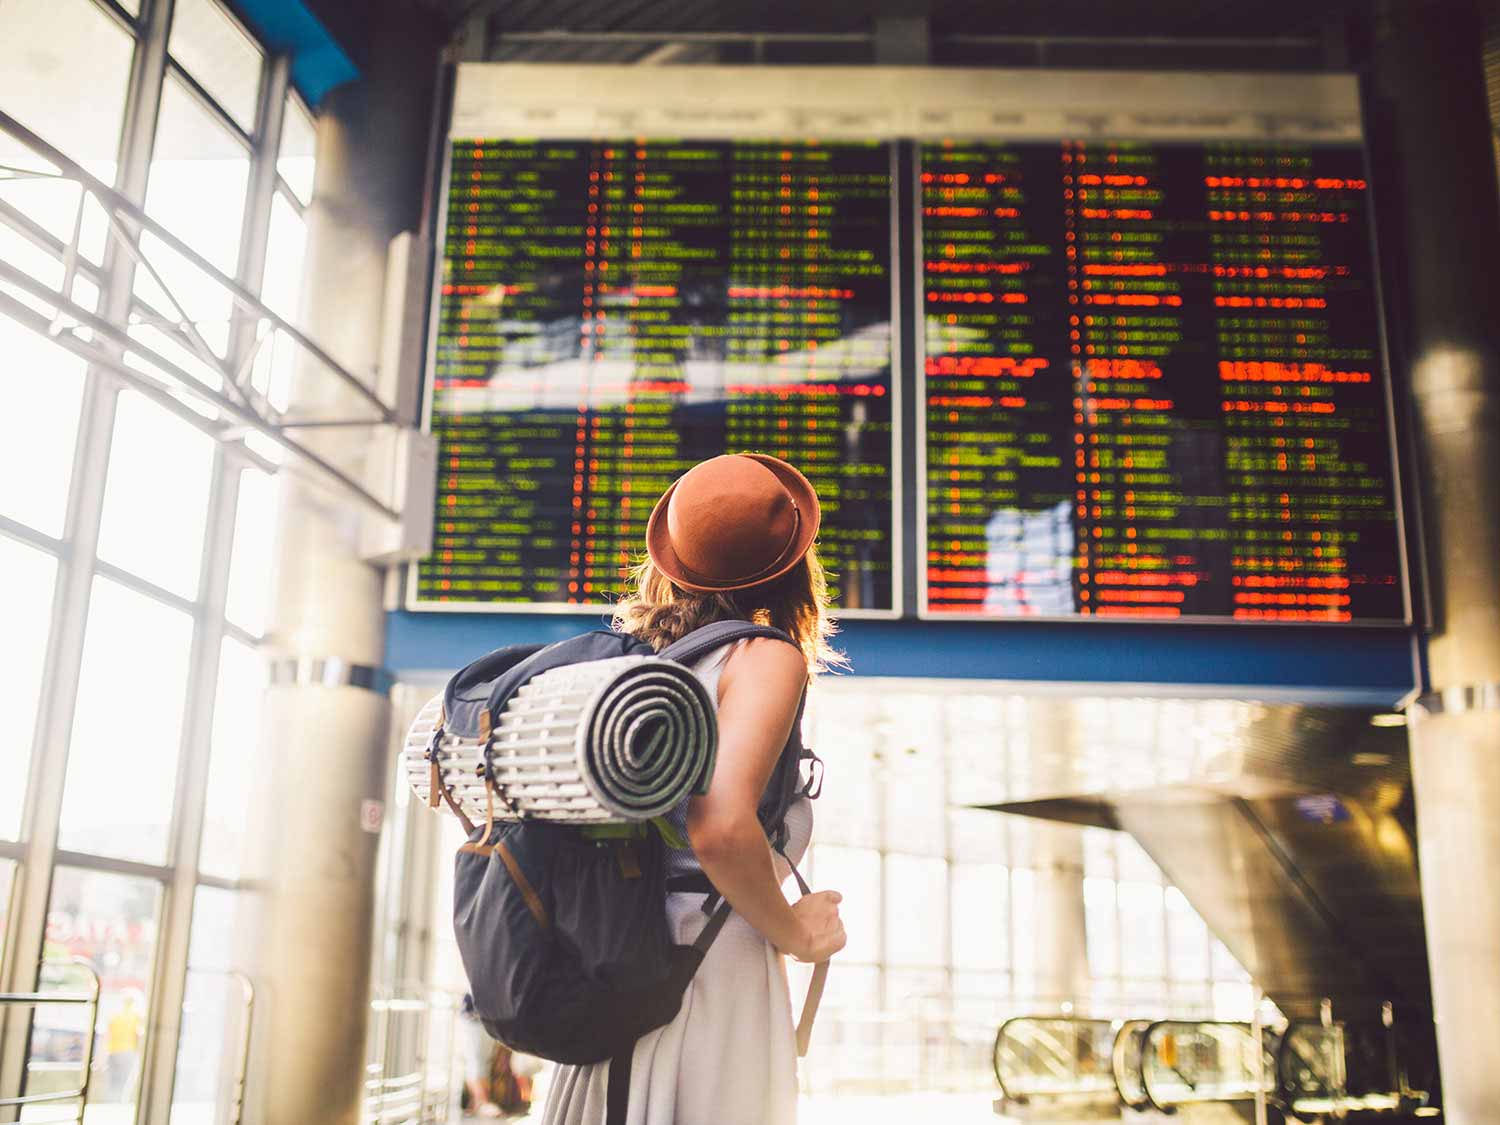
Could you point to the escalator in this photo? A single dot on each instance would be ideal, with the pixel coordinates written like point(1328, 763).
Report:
point(1072, 1068)
point(1289, 828)
point(1194, 1063)
point(1048, 1066)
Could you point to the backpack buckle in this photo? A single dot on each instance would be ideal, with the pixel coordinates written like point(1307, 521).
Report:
point(813, 789)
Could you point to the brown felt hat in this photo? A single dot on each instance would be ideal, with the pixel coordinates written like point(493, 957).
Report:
point(733, 522)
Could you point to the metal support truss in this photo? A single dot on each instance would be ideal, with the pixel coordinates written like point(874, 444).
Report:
point(205, 388)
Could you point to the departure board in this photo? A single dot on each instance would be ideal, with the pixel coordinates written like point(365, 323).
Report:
point(1153, 383)
point(611, 312)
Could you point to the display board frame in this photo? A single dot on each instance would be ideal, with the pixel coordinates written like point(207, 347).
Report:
point(1332, 118)
point(902, 108)
point(558, 83)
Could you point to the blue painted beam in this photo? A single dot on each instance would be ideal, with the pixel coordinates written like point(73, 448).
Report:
point(1365, 666)
point(289, 27)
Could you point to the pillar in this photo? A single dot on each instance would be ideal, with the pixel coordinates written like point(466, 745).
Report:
point(325, 744)
point(1060, 927)
point(1429, 101)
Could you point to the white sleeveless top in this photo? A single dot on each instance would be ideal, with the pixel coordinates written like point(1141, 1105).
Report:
point(710, 669)
point(730, 1055)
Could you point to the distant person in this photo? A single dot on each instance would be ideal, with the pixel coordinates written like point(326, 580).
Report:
point(479, 1058)
point(122, 1050)
point(731, 540)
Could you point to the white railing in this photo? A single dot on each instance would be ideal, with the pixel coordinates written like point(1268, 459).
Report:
point(409, 1076)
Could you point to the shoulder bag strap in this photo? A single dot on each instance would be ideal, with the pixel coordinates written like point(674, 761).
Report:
point(815, 986)
point(701, 642)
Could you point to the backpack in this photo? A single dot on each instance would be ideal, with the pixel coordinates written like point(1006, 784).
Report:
point(563, 930)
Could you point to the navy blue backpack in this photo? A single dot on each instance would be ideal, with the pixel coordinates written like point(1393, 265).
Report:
point(563, 930)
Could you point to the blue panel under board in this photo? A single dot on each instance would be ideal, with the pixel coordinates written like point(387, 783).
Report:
point(1366, 666)
point(289, 27)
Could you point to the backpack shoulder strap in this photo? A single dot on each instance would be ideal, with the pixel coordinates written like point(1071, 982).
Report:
point(700, 642)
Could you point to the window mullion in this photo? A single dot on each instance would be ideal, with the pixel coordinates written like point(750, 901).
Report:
point(191, 793)
point(270, 116)
point(64, 655)
point(194, 761)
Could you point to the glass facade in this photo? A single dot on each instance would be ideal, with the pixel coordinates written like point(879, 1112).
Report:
point(136, 549)
point(955, 914)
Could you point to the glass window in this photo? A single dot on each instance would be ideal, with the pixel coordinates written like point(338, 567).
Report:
point(42, 387)
point(26, 610)
point(286, 250)
point(76, 108)
point(226, 62)
point(236, 731)
point(199, 176)
point(1099, 851)
point(915, 804)
point(110, 921)
point(981, 916)
point(210, 1046)
point(1187, 940)
point(914, 992)
point(156, 495)
point(916, 910)
point(1142, 930)
point(977, 834)
point(981, 998)
point(1102, 920)
point(1023, 924)
point(297, 159)
point(855, 874)
point(281, 290)
point(252, 561)
point(1225, 965)
point(122, 764)
point(1233, 1001)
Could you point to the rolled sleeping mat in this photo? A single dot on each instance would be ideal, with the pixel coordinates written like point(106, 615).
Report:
point(603, 741)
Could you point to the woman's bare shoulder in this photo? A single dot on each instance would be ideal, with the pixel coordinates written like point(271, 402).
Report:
point(766, 661)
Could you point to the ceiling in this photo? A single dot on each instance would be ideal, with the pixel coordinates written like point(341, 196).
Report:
point(1122, 31)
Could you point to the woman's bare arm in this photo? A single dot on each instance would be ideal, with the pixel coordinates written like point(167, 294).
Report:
point(759, 691)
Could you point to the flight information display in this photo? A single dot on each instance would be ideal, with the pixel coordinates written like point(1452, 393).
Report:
point(1153, 383)
point(611, 312)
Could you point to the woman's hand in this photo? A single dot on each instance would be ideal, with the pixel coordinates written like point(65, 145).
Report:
point(821, 929)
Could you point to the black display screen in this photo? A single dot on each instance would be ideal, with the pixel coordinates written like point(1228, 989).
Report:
point(612, 312)
point(1153, 384)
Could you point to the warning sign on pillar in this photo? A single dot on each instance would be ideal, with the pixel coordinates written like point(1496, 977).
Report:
point(371, 816)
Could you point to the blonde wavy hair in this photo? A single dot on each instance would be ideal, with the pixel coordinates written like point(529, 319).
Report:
point(659, 611)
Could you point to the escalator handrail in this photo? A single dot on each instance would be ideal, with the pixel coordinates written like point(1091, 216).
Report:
point(1000, 1035)
point(1117, 1062)
point(1288, 1092)
point(1146, 1041)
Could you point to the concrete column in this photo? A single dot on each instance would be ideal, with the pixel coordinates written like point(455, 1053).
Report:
point(325, 748)
point(1430, 102)
point(1060, 928)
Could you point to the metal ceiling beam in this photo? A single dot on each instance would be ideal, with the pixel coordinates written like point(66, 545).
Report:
point(608, 36)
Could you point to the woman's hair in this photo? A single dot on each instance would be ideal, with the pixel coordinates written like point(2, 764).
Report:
point(659, 611)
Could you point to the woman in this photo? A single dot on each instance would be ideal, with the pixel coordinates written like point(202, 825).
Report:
point(732, 539)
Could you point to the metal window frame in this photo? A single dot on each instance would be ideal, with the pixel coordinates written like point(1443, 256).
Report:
point(64, 655)
point(37, 854)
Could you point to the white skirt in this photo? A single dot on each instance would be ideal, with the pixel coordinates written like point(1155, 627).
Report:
point(730, 1055)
